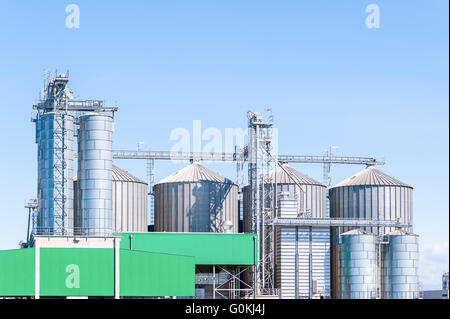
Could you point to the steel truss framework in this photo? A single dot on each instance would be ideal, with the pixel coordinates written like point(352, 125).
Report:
point(234, 287)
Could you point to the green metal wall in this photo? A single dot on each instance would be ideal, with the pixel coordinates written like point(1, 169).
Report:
point(207, 249)
point(61, 268)
point(17, 272)
point(156, 275)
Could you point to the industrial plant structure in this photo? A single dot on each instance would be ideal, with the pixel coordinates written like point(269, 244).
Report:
point(291, 246)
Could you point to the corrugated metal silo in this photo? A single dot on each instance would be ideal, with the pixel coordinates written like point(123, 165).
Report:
point(54, 180)
point(358, 265)
point(95, 175)
point(370, 194)
point(129, 202)
point(195, 199)
point(302, 257)
point(400, 266)
point(311, 197)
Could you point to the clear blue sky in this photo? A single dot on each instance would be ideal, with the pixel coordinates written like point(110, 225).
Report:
point(329, 80)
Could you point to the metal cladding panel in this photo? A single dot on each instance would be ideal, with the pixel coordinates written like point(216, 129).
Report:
point(129, 206)
point(95, 175)
point(195, 207)
point(17, 272)
point(76, 272)
point(358, 267)
point(400, 267)
point(144, 274)
point(207, 248)
point(311, 199)
point(293, 246)
point(385, 202)
point(50, 174)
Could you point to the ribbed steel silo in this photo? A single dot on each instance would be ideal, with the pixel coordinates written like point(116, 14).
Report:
point(196, 199)
point(311, 196)
point(95, 175)
point(370, 194)
point(129, 202)
point(358, 265)
point(55, 138)
point(400, 266)
point(302, 256)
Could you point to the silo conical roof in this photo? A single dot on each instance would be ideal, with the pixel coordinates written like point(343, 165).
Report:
point(400, 232)
point(285, 178)
point(195, 173)
point(119, 174)
point(373, 177)
point(356, 232)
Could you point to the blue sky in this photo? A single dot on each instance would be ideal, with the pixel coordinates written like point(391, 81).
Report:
point(328, 79)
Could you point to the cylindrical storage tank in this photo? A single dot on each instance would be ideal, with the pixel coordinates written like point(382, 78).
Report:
point(54, 136)
point(370, 194)
point(129, 202)
point(310, 196)
point(196, 199)
point(358, 265)
point(95, 175)
point(401, 266)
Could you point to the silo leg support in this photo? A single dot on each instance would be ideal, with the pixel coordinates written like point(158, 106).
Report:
point(117, 269)
point(37, 259)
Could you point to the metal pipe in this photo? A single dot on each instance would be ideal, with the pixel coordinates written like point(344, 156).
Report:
point(214, 282)
point(296, 264)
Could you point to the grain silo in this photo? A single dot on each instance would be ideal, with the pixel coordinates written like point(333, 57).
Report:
point(400, 266)
point(370, 194)
point(310, 196)
point(358, 265)
point(95, 175)
point(129, 202)
point(55, 140)
point(196, 199)
point(302, 256)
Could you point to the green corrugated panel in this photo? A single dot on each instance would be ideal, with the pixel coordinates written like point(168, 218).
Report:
point(77, 272)
point(208, 249)
point(17, 272)
point(156, 275)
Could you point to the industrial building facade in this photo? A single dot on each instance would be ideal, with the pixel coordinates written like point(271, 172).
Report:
point(127, 265)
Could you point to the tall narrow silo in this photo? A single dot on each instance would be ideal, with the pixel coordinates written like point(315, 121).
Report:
point(401, 266)
point(370, 194)
point(358, 265)
point(196, 199)
point(55, 138)
point(95, 175)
